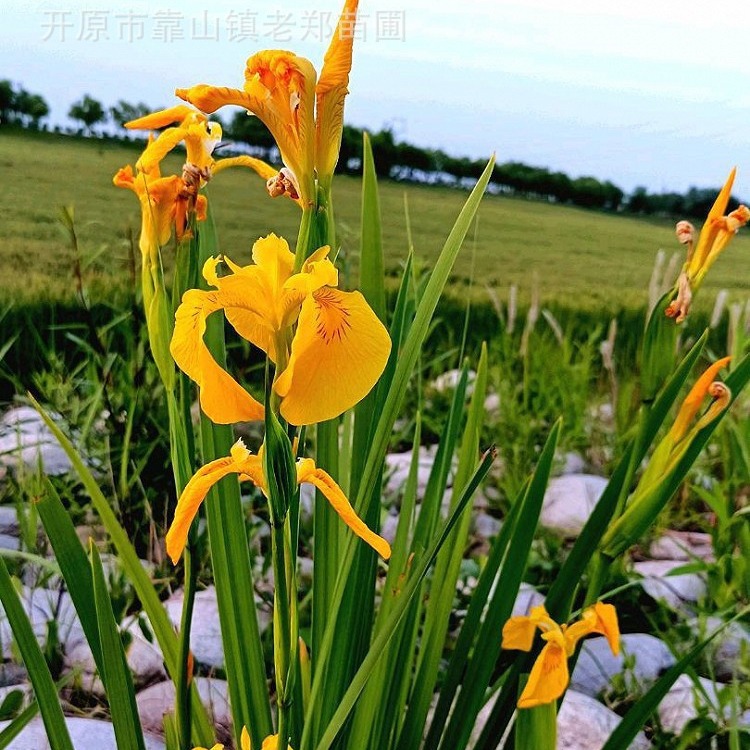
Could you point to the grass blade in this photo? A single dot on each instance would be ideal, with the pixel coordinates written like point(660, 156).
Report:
point(636, 717)
point(74, 566)
point(115, 674)
point(160, 624)
point(33, 659)
point(382, 639)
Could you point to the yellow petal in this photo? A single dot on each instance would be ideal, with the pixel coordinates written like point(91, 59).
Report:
point(222, 399)
point(263, 169)
point(607, 625)
point(338, 353)
point(210, 98)
point(158, 149)
point(548, 678)
point(694, 399)
point(711, 227)
point(331, 92)
point(308, 472)
point(281, 89)
point(160, 119)
point(518, 633)
point(239, 462)
point(317, 272)
point(245, 739)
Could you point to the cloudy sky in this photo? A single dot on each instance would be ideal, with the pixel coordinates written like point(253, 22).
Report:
point(649, 92)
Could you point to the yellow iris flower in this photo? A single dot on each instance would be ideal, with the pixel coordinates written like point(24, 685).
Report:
point(304, 114)
point(249, 467)
point(715, 235)
point(270, 743)
point(549, 676)
point(330, 363)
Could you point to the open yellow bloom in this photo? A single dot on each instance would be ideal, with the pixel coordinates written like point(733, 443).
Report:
point(304, 115)
point(715, 235)
point(270, 743)
point(549, 676)
point(334, 358)
point(249, 467)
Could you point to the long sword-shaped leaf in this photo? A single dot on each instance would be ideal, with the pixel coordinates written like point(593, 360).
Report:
point(115, 674)
point(33, 659)
point(137, 575)
point(74, 565)
point(381, 641)
point(391, 405)
point(447, 568)
point(489, 638)
point(240, 634)
point(636, 717)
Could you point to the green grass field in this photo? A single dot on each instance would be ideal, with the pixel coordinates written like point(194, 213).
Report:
point(583, 259)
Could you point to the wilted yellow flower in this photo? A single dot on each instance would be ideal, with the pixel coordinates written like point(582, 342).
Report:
point(336, 354)
point(549, 676)
point(715, 235)
point(304, 115)
point(249, 467)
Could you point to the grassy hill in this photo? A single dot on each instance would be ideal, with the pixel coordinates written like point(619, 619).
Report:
point(583, 259)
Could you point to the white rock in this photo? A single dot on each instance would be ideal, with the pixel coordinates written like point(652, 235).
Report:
point(726, 651)
point(448, 381)
point(9, 520)
point(397, 467)
point(527, 598)
point(582, 724)
point(597, 665)
point(485, 525)
point(156, 701)
point(585, 724)
point(389, 527)
point(675, 591)
point(569, 501)
point(43, 606)
point(205, 632)
point(681, 703)
point(492, 404)
point(25, 438)
point(144, 659)
point(682, 545)
point(84, 734)
point(573, 463)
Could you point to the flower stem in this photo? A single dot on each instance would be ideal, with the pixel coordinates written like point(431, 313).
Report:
point(286, 626)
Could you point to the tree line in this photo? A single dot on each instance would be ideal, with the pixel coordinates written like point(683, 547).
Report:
point(394, 159)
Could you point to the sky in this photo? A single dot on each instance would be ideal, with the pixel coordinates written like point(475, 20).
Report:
point(648, 92)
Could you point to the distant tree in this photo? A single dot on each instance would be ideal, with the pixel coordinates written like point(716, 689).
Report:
point(123, 112)
point(7, 102)
point(32, 108)
point(350, 153)
point(384, 152)
point(88, 111)
point(250, 129)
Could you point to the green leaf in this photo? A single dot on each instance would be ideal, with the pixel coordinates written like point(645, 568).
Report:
point(115, 674)
point(381, 641)
point(488, 641)
point(33, 659)
point(74, 565)
point(559, 599)
point(240, 634)
point(9, 733)
point(636, 717)
point(447, 568)
point(389, 409)
point(135, 572)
